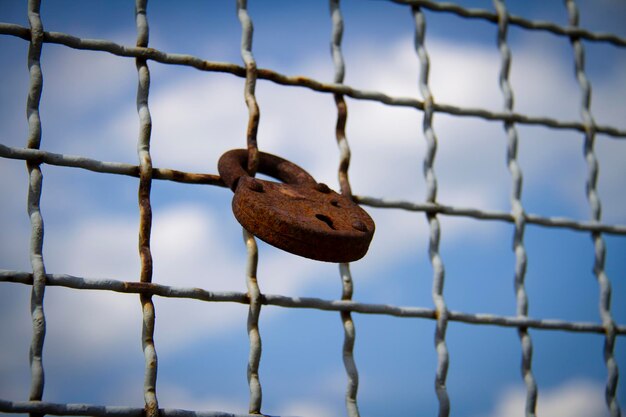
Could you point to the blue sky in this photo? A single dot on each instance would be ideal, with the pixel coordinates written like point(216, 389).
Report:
point(93, 349)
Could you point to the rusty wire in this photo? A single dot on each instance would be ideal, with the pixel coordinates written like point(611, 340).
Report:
point(145, 213)
point(34, 157)
point(596, 214)
point(517, 210)
point(254, 115)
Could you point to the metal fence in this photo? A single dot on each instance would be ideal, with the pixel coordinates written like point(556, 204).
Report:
point(35, 157)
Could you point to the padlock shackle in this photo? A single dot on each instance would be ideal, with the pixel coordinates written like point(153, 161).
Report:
point(231, 167)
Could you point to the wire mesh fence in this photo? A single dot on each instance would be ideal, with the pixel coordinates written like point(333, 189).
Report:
point(36, 158)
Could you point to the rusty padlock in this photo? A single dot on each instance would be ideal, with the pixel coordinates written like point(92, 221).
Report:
point(299, 215)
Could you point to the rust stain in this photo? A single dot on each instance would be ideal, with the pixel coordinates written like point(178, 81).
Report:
point(299, 215)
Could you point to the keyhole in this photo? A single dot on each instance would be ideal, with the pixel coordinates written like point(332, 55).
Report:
point(326, 220)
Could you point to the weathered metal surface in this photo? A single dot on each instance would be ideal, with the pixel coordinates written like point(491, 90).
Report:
point(298, 215)
point(145, 215)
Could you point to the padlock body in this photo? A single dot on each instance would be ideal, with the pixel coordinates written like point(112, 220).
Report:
point(303, 220)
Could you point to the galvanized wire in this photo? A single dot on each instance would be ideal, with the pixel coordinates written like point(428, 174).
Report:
point(133, 287)
point(596, 214)
point(344, 183)
point(301, 81)
point(439, 208)
point(342, 108)
point(43, 407)
point(254, 292)
point(35, 179)
point(433, 222)
point(247, 30)
point(145, 213)
point(42, 157)
point(254, 297)
point(517, 210)
point(349, 339)
point(572, 30)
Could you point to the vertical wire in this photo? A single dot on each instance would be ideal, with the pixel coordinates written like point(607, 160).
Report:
point(433, 222)
point(518, 212)
point(596, 214)
point(254, 293)
point(145, 212)
point(348, 344)
point(342, 109)
point(344, 162)
point(35, 179)
point(254, 114)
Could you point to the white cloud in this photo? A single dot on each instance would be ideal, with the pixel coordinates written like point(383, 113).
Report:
point(14, 219)
point(177, 397)
point(85, 78)
point(575, 398)
point(305, 408)
point(172, 396)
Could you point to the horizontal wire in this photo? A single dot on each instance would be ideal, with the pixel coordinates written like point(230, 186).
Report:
point(300, 81)
point(69, 281)
point(120, 168)
point(490, 16)
point(589, 226)
point(42, 407)
point(94, 165)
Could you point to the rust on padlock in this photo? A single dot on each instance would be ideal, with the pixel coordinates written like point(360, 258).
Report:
point(298, 215)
